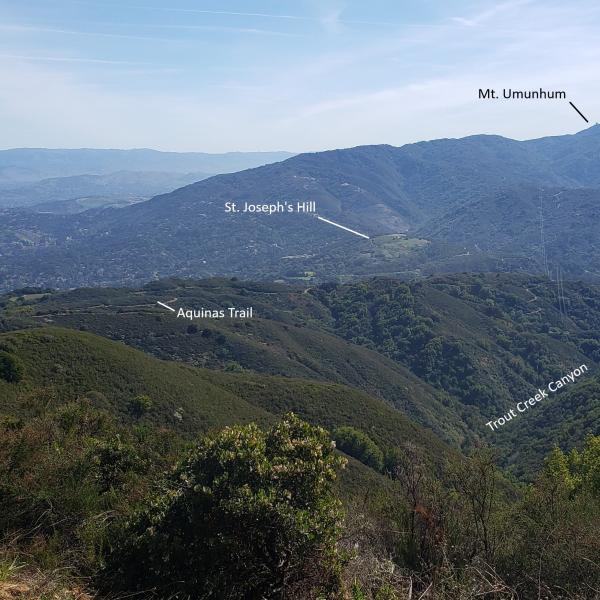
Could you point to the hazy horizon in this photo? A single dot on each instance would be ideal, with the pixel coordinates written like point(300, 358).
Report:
point(277, 150)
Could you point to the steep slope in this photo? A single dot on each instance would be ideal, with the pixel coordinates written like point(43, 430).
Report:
point(574, 157)
point(562, 421)
point(77, 461)
point(288, 336)
point(536, 227)
point(72, 365)
point(501, 314)
point(490, 341)
point(68, 365)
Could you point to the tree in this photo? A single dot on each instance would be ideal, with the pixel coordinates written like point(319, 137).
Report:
point(357, 444)
point(11, 369)
point(556, 527)
point(476, 479)
point(248, 514)
point(586, 465)
point(557, 473)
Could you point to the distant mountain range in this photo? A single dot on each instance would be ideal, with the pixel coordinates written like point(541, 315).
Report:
point(27, 165)
point(71, 181)
point(472, 204)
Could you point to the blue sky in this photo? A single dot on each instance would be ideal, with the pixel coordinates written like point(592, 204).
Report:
point(302, 75)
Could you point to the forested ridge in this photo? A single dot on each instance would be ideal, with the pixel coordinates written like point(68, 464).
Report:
point(451, 352)
point(448, 205)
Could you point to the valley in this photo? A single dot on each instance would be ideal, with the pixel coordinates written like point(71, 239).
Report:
point(451, 200)
point(104, 390)
point(449, 351)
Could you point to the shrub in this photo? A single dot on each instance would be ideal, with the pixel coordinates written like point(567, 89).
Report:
point(11, 369)
point(139, 405)
point(234, 367)
point(114, 459)
point(357, 444)
point(559, 520)
point(248, 514)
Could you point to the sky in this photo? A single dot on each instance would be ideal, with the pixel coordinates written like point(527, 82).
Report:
point(301, 75)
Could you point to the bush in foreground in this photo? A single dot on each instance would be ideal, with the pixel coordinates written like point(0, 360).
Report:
point(248, 514)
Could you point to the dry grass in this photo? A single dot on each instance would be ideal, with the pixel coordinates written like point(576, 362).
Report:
point(20, 582)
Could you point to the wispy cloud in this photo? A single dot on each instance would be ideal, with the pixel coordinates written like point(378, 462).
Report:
point(486, 15)
point(174, 9)
point(18, 28)
point(71, 59)
point(330, 19)
point(221, 12)
point(221, 29)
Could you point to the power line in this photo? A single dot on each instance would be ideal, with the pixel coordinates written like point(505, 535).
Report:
point(560, 288)
point(543, 236)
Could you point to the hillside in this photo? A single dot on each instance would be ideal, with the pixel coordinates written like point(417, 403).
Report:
point(71, 366)
point(507, 224)
point(489, 341)
point(440, 206)
point(96, 459)
point(92, 427)
point(450, 352)
point(289, 337)
point(97, 482)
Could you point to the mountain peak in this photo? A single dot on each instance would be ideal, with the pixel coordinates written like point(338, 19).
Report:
point(593, 130)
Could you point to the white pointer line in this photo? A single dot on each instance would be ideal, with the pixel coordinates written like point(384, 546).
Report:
point(344, 228)
point(166, 306)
